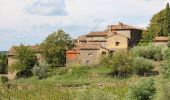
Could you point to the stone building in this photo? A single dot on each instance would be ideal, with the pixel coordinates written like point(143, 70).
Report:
point(12, 52)
point(90, 47)
point(160, 41)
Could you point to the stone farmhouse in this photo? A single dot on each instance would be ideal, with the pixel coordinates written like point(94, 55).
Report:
point(90, 47)
point(12, 52)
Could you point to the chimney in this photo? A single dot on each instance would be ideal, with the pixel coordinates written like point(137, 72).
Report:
point(120, 23)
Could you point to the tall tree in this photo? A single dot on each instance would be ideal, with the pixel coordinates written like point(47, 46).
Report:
point(159, 25)
point(54, 48)
point(166, 26)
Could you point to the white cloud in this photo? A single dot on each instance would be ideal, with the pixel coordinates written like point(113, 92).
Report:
point(47, 7)
point(30, 21)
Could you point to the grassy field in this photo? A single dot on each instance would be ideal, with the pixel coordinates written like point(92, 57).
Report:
point(71, 83)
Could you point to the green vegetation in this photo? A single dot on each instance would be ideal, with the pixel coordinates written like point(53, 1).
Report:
point(3, 64)
point(54, 47)
point(4, 79)
point(26, 59)
point(142, 90)
point(142, 65)
point(149, 52)
point(120, 62)
point(159, 25)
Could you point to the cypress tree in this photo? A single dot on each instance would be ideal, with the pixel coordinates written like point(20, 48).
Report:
point(166, 26)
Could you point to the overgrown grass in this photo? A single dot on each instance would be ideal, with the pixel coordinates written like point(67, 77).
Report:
point(71, 83)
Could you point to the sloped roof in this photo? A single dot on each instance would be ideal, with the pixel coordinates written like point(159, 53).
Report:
point(91, 46)
point(99, 33)
point(122, 26)
point(82, 38)
point(160, 39)
point(12, 50)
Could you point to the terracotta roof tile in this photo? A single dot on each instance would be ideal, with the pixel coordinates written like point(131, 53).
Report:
point(104, 33)
point(90, 46)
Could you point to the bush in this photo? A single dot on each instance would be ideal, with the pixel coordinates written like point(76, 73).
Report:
point(166, 55)
point(4, 79)
point(149, 52)
point(165, 69)
point(24, 73)
point(142, 90)
point(142, 65)
point(40, 71)
point(120, 62)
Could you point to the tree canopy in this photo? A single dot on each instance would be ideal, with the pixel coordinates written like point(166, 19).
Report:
point(54, 47)
point(3, 63)
point(26, 57)
point(159, 25)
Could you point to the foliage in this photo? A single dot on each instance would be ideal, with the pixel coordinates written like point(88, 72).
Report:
point(26, 57)
point(24, 73)
point(54, 48)
point(149, 52)
point(40, 71)
point(159, 25)
point(165, 69)
point(166, 55)
point(120, 62)
point(142, 90)
point(142, 65)
point(164, 93)
point(166, 24)
point(4, 79)
point(168, 44)
point(3, 64)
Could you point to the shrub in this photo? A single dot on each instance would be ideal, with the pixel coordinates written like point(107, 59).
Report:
point(166, 55)
point(4, 79)
point(120, 62)
point(142, 90)
point(24, 73)
point(142, 65)
point(149, 52)
point(40, 71)
point(165, 69)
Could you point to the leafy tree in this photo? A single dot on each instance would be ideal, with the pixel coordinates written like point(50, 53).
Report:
point(26, 57)
point(166, 25)
point(54, 48)
point(142, 90)
point(159, 25)
point(3, 63)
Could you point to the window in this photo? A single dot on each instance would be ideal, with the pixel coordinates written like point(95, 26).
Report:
point(90, 54)
point(111, 30)
point(117, 43)
point(103, 53)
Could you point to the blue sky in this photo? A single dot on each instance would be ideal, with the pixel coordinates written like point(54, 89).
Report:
point(31, 21)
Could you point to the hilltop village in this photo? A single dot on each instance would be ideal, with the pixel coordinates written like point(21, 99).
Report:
point(90, 47)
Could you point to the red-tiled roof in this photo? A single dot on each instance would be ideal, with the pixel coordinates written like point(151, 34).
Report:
point(160, 39)
point(104, 33)
point(89, 45)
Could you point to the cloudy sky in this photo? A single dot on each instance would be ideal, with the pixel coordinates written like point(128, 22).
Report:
point(31, 21)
